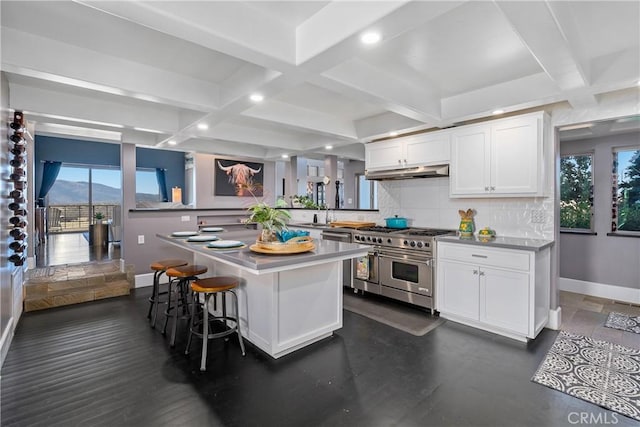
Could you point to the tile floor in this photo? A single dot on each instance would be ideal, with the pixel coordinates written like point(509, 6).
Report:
point(586, 315)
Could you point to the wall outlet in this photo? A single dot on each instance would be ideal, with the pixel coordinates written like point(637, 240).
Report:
point(537, 216)
point(141, 239)
point(185, 218)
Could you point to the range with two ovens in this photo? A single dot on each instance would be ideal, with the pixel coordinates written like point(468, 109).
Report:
point(399, 265)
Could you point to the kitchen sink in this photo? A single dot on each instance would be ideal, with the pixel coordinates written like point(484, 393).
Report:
point(312, 224)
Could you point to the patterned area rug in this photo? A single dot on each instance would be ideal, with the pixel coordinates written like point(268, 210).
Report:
point(623, 321)
point(596, 371)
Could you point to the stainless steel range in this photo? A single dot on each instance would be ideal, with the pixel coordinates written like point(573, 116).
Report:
point(399, 264)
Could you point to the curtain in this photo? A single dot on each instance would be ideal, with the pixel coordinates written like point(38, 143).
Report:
point(49, 176)
point(161, 176)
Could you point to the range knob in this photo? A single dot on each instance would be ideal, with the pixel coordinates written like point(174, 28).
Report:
point(379, 239)
point(412, 244)
point(389, 241)
point(368, 238)
point(356, 237)
point(419, 244)
point(406, 242)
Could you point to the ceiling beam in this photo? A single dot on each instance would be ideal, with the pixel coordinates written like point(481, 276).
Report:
point(539, 29)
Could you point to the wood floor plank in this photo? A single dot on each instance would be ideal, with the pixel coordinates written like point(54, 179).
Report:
point(101, 364)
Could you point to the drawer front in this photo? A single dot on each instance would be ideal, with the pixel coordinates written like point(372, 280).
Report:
point(501, 258)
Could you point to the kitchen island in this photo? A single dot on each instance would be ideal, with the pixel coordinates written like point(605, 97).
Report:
point(286, 301)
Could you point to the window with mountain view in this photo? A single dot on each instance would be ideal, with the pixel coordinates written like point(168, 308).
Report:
point(576, 192)
point(80, 192)
point(626, 190)
point(147, 190)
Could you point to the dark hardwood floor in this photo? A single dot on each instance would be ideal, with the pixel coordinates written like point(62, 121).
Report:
point(100, 363)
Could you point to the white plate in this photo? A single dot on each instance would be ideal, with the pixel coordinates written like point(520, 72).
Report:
point(202, 238)
point(184, 233)
point(211, 229)
point(225, 244)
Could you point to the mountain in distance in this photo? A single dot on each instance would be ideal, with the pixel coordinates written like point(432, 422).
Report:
point(77, 193)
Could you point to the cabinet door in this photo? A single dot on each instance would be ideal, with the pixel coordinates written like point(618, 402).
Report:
point(459, 291)
point(383, 155)
point(427, 149)
point(504, 299)
point(470, 159)
point(516, 152)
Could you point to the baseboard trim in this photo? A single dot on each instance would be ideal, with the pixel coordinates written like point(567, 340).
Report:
point(555, 319)
point(144, 280)
point(601, 290)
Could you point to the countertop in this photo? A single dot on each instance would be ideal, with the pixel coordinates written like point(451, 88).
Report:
point(520, 243)
point(325, 251)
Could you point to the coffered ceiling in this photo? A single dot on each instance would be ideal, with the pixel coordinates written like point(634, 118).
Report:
point(150, 72)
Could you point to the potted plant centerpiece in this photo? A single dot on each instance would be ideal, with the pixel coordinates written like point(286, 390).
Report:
point(271, 219)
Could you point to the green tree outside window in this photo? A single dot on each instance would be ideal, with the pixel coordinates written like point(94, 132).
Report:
point(576, 191)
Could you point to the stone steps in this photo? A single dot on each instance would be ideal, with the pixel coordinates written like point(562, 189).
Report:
point(75, 283)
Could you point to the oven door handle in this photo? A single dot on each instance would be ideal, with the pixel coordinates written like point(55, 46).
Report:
point(400, 258)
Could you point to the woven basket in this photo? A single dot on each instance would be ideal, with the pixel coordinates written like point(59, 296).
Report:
point(295, 244)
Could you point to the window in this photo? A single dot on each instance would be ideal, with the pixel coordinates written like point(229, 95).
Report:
point(147, 189)
point(576, 192)
point(626, 190)
point(367, 193)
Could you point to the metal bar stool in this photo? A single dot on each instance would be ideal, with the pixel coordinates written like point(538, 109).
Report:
point(209, 287)
point(159, 268)
point(180, 276)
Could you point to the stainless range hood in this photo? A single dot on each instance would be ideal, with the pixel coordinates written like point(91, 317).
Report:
point(408, 173)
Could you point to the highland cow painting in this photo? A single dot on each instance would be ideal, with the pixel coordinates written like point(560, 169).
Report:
point(241, 179)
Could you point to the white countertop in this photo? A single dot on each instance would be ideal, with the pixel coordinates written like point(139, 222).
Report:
point(521, 243)
point(257, 263)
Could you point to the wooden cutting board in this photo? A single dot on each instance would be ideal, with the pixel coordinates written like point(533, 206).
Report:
point(352, 224)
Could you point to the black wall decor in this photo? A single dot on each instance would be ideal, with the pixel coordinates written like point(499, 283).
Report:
point(18, 222)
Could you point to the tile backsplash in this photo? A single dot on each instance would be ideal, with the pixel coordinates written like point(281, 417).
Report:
point(426, 203)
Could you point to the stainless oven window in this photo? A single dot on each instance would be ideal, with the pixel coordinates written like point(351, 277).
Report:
point(404, 271)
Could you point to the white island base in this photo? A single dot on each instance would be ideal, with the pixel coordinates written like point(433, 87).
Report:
point(286, 302)
point(284, 311)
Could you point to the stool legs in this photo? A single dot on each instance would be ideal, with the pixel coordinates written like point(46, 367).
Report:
point(173, 306)
point(154, 300)
point(205, 324)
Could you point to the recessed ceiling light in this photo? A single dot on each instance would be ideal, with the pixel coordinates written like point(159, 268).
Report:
point(370, 37)
point(496, 112)
point(328, 147)
point(285, 156)
point(203, 126)
point(171, 142)
point(393, 133)
point(256, 97)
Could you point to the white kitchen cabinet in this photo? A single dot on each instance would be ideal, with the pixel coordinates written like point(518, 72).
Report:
point(505, 291)
point(416, 150)
point(500, 158)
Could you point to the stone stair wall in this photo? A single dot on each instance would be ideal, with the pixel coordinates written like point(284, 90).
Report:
point(75, 283)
